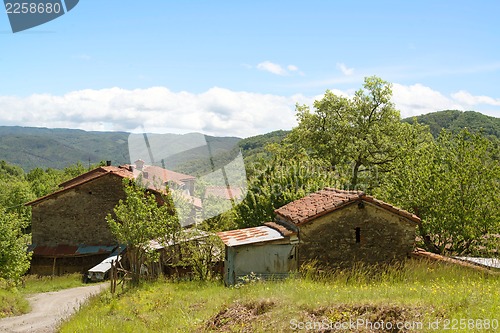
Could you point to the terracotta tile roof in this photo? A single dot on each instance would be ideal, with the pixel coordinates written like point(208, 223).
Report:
point(249, 235)
point(164, 175)
point(286, 232)
point(223, 192)
point(122, 172)
point(85, 178)
point(96, 173)
point(329, 199)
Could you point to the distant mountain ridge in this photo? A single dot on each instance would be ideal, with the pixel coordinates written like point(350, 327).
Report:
point(455, 120)
point(32, 147)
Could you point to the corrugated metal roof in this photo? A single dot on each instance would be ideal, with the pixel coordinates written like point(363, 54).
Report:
point(249, 236)
point(70, 250)
point(488, 262)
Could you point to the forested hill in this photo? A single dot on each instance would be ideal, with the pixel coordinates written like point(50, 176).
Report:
point(30, 147)
point(455, 120)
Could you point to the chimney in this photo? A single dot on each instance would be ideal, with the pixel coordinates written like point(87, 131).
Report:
point(139, 164)
point(108, 163)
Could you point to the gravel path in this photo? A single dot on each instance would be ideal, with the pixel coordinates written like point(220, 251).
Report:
point(48, 309)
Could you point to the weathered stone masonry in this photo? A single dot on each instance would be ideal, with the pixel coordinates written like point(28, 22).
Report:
point(364, 232)
point(78, 215)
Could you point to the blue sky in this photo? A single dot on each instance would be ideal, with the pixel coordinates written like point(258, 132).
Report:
point(238, 68)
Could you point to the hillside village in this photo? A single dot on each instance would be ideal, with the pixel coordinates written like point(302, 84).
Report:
point(292, 215)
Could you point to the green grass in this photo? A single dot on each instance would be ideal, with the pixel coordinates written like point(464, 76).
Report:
point(40, 284)
point(416, 291)
point(12, 299)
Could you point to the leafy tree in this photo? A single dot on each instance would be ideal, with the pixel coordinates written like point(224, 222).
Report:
point(200, 251)
point(213, 219)
point(275, 183)
point(364, 132)
point(453, 184)
point(43, 182)
point(14, 259)
point(139, 219)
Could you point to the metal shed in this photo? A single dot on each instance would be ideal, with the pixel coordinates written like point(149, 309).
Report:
point(268, 252)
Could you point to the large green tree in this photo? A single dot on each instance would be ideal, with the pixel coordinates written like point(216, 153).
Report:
point(453, 184)
point(140, 218)
point(355, 136)
point(14, 258)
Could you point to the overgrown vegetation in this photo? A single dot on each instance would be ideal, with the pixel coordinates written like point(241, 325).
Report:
point(414, 291)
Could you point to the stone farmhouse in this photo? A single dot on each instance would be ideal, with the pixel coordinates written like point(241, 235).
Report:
point(69, 229)
point(335, 228)
point(338, 228)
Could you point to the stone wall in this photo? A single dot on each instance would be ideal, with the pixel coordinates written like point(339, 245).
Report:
point(356, 233)
point(78, 216)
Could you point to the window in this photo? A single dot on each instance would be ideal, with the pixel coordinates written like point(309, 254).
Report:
point(358, 235)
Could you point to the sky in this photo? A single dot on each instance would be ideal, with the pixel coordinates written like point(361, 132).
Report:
point(238, 68)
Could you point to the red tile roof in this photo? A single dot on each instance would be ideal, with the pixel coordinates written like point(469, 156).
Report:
point(286, 232)
point(122, 172)
point(85, 178)
point(96, 173)
point(329, 199)
point(223, 192)
point(158, 173)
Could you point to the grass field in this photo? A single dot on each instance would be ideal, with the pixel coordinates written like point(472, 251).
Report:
point(429, 294)
point(12, 299)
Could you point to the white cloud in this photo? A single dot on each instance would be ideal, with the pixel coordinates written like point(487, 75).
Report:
point(277, 69)
point(418, 99)
point(469, 99)
point(217, 111)
point(344, 69)
point(271, 68)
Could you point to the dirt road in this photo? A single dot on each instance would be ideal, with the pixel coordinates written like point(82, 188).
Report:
point(48, 309)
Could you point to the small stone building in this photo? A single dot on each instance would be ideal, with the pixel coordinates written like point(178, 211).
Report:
point(69, 228)
point(339, 228)
point(268, 251)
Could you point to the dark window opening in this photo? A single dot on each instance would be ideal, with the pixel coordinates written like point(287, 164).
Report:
point(358, 235)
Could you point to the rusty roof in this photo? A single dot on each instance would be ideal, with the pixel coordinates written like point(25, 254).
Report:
point(223, 192)
point(249, 235)
point(328, 200)
point(96, 173)
point(70, 250)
